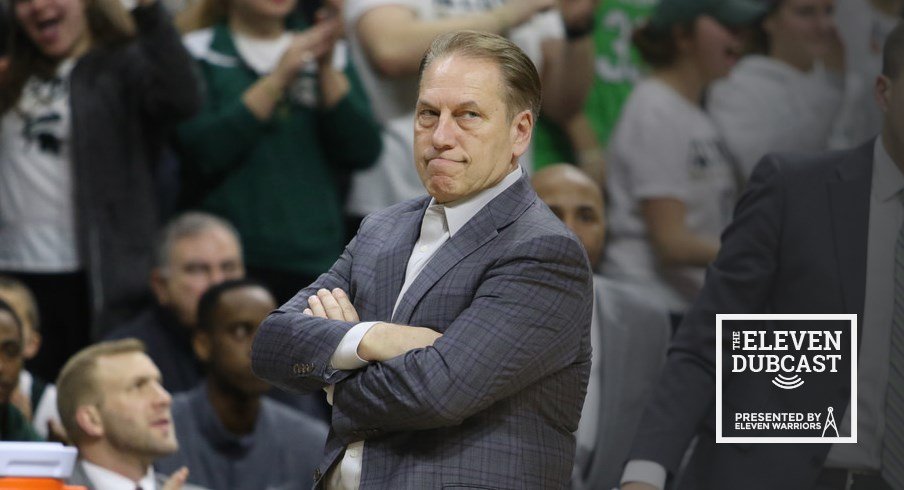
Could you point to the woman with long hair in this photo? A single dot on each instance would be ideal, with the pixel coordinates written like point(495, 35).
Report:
point(281, 127)
point(85, 102)
point(671, 183)
point(786, 95)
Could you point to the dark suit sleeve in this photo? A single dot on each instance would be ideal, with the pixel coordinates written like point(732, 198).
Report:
point(293, 350)
point(739, 281)
point(526, 321)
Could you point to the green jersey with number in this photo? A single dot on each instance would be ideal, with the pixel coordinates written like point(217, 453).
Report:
point(617, 67)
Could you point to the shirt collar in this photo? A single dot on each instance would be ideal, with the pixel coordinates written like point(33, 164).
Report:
point(887, 178)
point(110, 480)
point(459, 212)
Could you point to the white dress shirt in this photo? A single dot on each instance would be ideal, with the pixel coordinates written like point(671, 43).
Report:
point(440, 223)
point(104, 479)
point(885, 217)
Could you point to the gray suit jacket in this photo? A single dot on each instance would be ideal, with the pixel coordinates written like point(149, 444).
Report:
point(79, 477)
point(634, 337)
point(494, 403)
point(797, 244)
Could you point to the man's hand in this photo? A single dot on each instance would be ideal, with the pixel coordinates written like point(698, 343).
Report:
point(383, 341)
point(333, 305)
point(387, 340)
point(634, 485)
point(176, 480)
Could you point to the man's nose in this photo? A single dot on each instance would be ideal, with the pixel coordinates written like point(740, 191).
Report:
point(163, 396)
point(217, 275)
point(444, 131)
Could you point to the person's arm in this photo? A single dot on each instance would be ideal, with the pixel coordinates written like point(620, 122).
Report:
point(219, 138)
point(395, 39)
point(525, 322)
point(673, 244)
point(313, 43)
point(292, 348)
point(345, 113)
point(167, 84)
point(567, 71)
point(739, 281)
point(587, 148)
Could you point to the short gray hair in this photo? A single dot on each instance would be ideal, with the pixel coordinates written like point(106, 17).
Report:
point(519, 75)
point(187, 225)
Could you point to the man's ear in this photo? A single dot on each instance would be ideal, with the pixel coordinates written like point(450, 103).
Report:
point(883, 92)
point(158, 286)
point(201, 344)
point(89, 420)
point(522, 129)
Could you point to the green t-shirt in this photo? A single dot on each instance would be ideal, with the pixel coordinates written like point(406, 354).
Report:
point(617, 68)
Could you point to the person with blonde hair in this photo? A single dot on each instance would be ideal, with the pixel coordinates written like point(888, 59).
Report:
point(118, 415)
point(85, 102)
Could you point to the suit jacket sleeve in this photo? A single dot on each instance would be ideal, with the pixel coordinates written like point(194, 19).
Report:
point(526, 321)
point(739, 281)
point(292, 350)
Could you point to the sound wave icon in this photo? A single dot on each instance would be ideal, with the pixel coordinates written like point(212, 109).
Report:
point(788, 382)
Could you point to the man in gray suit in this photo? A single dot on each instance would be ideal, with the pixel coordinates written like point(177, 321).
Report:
point(117, 413)
point(454, 329)
point(629, 336)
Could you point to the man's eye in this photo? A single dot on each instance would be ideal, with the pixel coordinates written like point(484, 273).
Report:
point(470, 115)
point(195, 269)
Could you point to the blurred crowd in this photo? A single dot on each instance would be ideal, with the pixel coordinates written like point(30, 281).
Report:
point(173, 170)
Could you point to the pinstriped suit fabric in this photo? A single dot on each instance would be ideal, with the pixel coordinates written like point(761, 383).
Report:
point(494, 403)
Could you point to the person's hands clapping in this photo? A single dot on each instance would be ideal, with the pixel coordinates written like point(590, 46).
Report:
point(313, 43)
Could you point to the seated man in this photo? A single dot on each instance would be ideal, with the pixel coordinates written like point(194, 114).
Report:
point(13, 425)
point(629, 337)
point(196, 250)
point(232, 437)
point(117, 413)
point(34, 397)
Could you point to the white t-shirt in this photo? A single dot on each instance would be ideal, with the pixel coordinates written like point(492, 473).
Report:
point(393, 178)
point(664, 147)
point(863, 30)
point(766, 105)
point(37, 197)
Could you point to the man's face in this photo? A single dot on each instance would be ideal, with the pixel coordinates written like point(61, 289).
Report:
point(575, 199)
point(226, 347)
point(135, 408)
point(464, 139)
point(10, 355)
point(196, 263)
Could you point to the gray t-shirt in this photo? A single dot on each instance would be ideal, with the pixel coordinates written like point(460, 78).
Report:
point(280, 454)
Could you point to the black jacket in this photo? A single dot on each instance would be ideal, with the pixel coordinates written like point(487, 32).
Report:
point(124, 99)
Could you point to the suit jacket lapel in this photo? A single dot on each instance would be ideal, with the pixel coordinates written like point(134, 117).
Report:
point(849, 198)
point(393, 260)
point(482, 228)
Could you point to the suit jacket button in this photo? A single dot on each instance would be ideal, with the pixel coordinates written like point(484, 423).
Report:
point(296, 368)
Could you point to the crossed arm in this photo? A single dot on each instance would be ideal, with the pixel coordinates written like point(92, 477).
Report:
point(383, 341)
